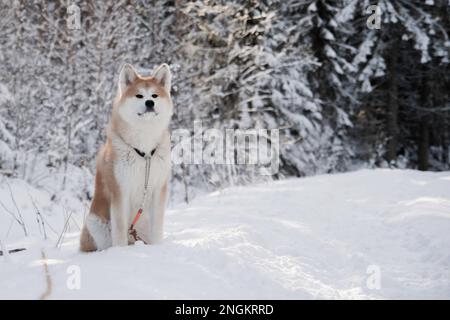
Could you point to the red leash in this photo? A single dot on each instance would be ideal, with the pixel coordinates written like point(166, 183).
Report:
point(132, 231)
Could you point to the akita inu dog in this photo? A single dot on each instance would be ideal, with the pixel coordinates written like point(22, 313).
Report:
point(133, 166)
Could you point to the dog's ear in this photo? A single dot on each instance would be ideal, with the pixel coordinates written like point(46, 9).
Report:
point(127, 76)
point(163, 75)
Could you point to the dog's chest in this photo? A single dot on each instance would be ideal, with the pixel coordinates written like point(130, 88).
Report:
point(130, 171)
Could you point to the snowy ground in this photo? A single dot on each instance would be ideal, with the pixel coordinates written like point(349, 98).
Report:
point(323, 237)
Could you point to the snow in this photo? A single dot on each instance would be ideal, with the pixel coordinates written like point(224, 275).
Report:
point(312, 238)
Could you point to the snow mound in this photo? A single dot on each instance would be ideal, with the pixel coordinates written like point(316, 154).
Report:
point(369, 234)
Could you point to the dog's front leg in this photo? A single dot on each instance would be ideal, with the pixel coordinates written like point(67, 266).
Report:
point(119, 228)
point(158, 206)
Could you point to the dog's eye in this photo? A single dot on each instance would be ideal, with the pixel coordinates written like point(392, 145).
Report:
point(139, 96)
point(154, 96)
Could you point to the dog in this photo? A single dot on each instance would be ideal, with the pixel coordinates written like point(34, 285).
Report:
point(133, 166)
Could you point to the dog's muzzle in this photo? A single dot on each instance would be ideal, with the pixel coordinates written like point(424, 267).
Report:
point(149, 107)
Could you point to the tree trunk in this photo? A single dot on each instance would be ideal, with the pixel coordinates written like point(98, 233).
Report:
point(445, 143)
point(424, 127)
point(424, 144)
point(392, 107)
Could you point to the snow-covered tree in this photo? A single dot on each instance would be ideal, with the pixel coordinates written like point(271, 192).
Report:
point(338, 90)
point(397, 64)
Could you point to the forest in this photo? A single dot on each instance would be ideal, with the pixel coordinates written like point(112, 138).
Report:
point(310, 146)
point(348, 83)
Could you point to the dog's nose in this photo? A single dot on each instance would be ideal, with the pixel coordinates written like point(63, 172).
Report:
point(149, 104)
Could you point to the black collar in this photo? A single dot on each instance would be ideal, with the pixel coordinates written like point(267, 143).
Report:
point(139, 152)
point(142, 154)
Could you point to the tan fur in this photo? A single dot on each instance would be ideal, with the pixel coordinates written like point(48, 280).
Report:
point(163, 195)
point(87, 243)
point(145, 82)
point(117, 124)
point(108, 205)
point(106, 188)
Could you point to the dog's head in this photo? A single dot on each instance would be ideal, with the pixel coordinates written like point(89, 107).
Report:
point(144, 99)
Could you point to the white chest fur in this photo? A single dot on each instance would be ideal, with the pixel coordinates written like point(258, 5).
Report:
point(130, 172)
